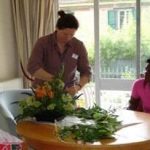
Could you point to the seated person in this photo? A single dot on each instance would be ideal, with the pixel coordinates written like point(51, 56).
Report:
point(140, 96)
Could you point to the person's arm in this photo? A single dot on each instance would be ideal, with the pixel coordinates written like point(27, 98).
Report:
point(135, 104)
point(36, 64)
point(78, 86)
point(83, 81)
point(43, 75)
point(83, 66)
point(84, 69)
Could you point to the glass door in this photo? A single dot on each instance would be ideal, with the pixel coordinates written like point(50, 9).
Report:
point(117, 51)
point(117, 41)
point(145, 33)
point(84, 12)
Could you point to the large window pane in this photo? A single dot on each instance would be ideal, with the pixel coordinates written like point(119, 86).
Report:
point(83, 10)
point(145, 32)
point(118, 41)
point(118, 50)
point(117, 46)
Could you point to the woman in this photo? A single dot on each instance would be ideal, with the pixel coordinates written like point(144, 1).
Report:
point(140, 96)
point(59, 49)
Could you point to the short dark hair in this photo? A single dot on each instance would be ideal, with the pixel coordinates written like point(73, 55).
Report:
point(148, 60)
point(66, 21)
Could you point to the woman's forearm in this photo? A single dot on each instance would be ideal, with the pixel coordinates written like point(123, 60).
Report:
point(43, 75)
point(83, 80)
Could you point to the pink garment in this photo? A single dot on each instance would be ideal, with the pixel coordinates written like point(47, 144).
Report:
point(139, 91)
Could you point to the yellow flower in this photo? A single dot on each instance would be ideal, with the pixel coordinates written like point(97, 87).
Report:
point(50, 98)
point(51, 107)
point(68, 107)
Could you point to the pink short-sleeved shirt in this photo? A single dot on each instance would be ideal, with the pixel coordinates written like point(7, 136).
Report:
point(142, 92)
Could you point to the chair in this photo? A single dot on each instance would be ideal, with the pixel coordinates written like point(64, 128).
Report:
point(87, 99)
point(89, 93)
point(8, 110)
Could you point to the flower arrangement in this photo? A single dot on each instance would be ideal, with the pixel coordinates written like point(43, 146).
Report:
point(48, 102)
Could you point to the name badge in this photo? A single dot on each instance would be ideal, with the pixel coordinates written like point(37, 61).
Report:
point(75, 56)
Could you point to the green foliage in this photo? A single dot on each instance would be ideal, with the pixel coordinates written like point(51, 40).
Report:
point(121, 44)
point(48, 100)
point(128, 75)
point(106, 124)
point(118, 45)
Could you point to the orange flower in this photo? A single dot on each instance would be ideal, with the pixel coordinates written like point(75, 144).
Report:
point(40, 92)
point(50, 93)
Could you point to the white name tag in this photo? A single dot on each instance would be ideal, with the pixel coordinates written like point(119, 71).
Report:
point(75, 56)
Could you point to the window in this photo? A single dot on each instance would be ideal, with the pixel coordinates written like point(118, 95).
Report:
point(118, 45)
point(119, 17)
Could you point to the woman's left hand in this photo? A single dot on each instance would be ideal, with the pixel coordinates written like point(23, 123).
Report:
point(73, 89)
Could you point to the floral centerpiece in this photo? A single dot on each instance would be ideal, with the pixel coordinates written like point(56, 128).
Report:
point(50, 102)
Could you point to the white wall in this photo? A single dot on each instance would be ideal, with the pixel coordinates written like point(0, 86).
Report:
point(8, 57)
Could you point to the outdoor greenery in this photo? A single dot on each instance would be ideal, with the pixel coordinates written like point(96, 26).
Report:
point(117, 46)
point(120, 45)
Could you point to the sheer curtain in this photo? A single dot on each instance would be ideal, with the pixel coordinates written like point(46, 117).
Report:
point(32, 19)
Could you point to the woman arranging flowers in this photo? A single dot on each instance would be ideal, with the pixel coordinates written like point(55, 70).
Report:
point(53, 63)
point(61, 48)
point(50, 102)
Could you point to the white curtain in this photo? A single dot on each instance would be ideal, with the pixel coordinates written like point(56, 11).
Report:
point(32, 19)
